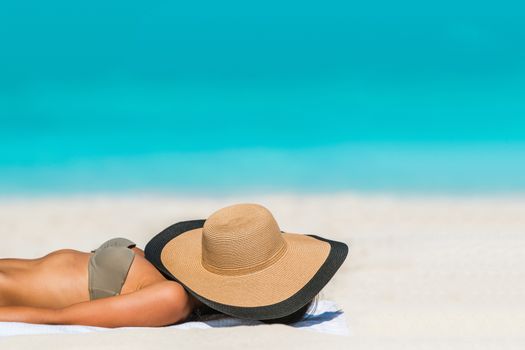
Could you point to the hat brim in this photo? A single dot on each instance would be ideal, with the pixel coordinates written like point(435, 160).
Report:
point(274, 292)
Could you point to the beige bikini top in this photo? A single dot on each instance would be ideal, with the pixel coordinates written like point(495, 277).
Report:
point(109, 266)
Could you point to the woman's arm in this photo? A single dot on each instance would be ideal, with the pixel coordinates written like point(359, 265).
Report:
point(160, 304)
point(27, 314)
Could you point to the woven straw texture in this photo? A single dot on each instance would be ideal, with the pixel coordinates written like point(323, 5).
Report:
point(241, 258)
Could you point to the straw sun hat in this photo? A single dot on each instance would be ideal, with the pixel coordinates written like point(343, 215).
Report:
point(239, 262)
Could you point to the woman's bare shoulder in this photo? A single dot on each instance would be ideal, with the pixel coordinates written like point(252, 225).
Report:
point(139, 251)
point(142, 274)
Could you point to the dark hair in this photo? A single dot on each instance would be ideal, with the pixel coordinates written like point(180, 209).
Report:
point(297, 315)
point(198, 313)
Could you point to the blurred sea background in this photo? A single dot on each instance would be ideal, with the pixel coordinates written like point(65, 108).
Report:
point(221, 97)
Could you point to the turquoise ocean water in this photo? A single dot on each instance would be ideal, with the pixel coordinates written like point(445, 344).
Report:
point(240, 96)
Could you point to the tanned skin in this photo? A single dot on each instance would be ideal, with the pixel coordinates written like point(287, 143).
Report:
point(53, 289)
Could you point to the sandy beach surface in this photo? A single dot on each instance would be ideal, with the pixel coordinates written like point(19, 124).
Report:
point(422, 272)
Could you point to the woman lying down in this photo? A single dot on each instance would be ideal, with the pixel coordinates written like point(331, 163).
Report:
point(237, 262)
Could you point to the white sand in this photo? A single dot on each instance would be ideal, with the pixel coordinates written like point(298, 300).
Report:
point(422, 271)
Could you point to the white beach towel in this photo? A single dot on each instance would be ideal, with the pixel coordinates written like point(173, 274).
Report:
point(326, 318)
